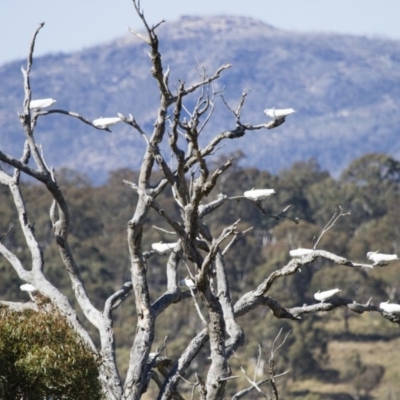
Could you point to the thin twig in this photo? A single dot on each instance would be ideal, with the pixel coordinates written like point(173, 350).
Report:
point(271, 362)
point(196, 305)
point(252, 383)
point(164, 230)
point(10, 228)
point(37, 114)
point(331, 223)
point(238, 236)
point(132, 122)
point(26, 72)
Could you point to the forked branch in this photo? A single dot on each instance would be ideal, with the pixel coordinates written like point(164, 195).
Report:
point(331, 223)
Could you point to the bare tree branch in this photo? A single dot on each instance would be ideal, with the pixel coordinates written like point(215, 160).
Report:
point(252, 383)
point(19, 307)
point(116, 299)
point(132, 122)
point(271, 363)
point(332, 222)
point(243, 393)
point(40, 113)
point(26, 72)
point(206, 81)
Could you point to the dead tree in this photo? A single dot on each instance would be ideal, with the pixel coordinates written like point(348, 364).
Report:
point(197, 247)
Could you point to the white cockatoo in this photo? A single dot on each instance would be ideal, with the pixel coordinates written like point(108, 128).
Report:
point(27, 287)
point(30, 289)
point(41, 103)
point(152, 356)
point(278, 114)
point(300, 252)
point(162, 248)
point(381, 259)
point(322, 296)
point(259, 194)
point(106, 122)
point(392, 308)
point(188, 283)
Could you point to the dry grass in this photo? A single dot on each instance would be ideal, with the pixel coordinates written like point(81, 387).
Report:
point(384, 353)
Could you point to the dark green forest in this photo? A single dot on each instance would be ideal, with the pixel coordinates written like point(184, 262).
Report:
point(368, 191)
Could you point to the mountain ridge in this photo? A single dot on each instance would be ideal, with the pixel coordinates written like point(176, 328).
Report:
point(345, 89)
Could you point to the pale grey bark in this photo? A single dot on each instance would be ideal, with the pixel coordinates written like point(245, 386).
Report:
point(19, 307)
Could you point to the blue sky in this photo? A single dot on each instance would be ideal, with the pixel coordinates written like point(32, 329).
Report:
point(76, 24)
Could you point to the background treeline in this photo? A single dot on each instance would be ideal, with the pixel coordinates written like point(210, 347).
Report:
point(369, 188)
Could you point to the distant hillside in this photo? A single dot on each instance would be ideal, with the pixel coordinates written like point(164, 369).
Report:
point(346, 90)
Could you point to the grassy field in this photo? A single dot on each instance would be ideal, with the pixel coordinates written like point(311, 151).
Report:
point(339, 360)
point(385, 353)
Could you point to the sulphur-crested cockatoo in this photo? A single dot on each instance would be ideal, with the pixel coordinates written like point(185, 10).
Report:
point(27, 287)
point(41, 103)
point(300, 252)
point(163, 247)
point(278, 114)
point(188, 283)
point(106, 122)
point(392, 308)
point(259, 194)
point(322, 296)
point(381, 259)
point(30, 289)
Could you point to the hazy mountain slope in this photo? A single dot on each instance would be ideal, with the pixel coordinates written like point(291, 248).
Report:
point(346, 90)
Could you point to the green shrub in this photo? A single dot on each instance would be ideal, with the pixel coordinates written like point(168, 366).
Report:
point(42, 357)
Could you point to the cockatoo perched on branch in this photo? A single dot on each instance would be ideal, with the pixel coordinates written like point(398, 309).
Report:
point(322, 296)
point(27, 287)
point(259, 194)
point(106, 122)
point(278, 114)
point(162, 248)
point(188, 283)
point(30, 289)
point(41, 103)
point(300, 252)
point(381, 259)
point(390, 308)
